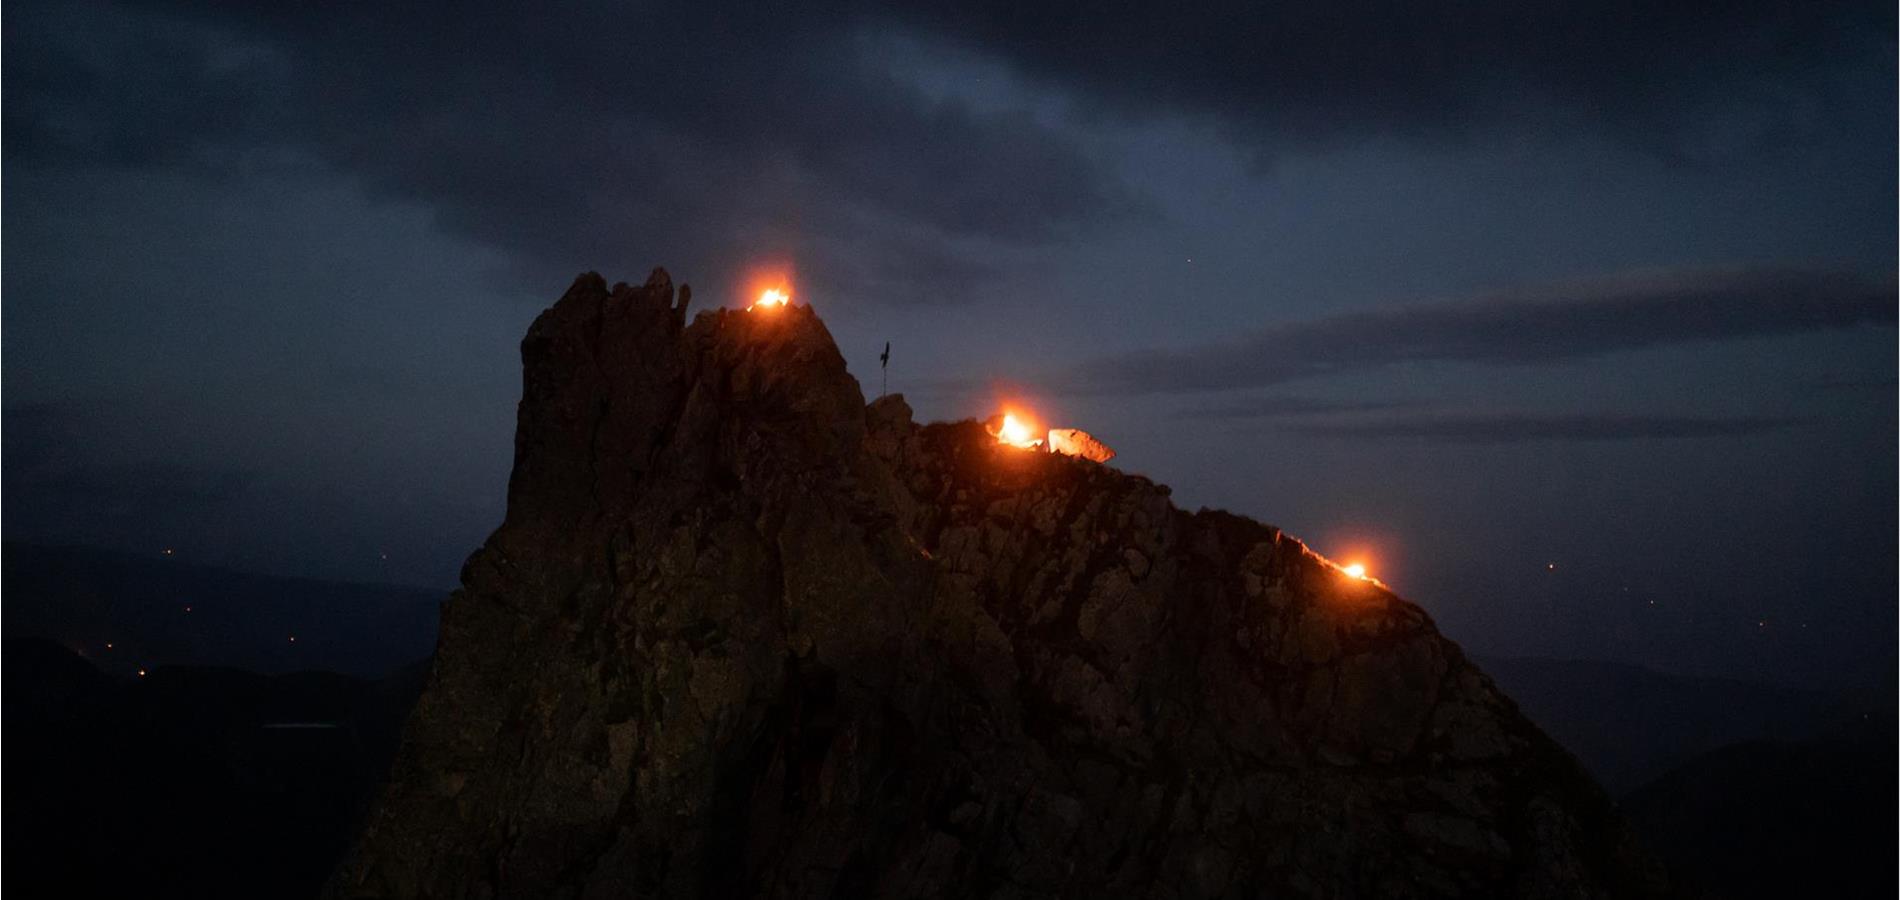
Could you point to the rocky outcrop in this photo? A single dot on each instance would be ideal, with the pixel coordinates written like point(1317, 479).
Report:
point(741, 635)
point(1076, 442)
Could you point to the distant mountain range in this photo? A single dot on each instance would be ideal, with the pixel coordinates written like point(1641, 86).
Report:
point(1627, 724)
point(1775, 819)
point(1747, 790)
point(1630, 725)
point(125, 612)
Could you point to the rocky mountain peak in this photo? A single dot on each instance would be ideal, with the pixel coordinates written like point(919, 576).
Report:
point(741, 634)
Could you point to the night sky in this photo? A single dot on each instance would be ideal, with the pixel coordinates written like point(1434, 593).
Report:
point(1576, 322)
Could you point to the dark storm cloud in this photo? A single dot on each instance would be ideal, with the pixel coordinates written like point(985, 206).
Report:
point(1538, 325)
point(1307, 72)
point(717, 137)
point(1517, 429)
point(605, 138)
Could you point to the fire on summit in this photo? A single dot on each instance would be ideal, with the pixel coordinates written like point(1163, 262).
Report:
point(1013, 429)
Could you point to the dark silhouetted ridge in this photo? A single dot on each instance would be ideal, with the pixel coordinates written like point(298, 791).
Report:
point(742, 635)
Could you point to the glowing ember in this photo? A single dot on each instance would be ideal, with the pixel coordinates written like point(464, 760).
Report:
point(1356, 570)
point(772, 297)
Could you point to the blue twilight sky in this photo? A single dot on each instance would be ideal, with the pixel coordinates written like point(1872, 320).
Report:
point(1576, 321)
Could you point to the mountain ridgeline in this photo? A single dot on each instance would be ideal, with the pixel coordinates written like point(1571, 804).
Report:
point(741, 634)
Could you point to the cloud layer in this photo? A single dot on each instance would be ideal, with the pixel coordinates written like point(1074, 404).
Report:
point(1302, 73)
point(1537, 325)
point(714, 136)
point(1523, 428)
point(1285, 406)
point(708, 138)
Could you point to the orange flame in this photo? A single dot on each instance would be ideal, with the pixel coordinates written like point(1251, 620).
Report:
point(1355, 570)
point(772, 297)
point(1014, 433)
point(1013, 428)
point(1016, 430)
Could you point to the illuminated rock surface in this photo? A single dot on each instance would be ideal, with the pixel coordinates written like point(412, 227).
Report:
point(741, 635)
point(1076, 442)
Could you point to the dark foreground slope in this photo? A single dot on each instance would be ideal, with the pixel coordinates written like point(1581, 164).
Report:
point(189, 783)
point(740, 635)
point(1629, 725)
point(1772, 819)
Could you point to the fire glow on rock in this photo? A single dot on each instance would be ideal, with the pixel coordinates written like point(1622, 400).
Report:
point(1017, 430)
point(1016, 433)
point(772, 297)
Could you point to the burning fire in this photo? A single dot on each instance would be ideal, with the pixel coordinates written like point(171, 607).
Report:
point(1016, 429)
point(1014, 432)
point(1355, 570)
point(770, 298)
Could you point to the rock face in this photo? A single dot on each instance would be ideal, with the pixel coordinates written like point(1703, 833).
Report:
point(1076, 442)
point(740, 635)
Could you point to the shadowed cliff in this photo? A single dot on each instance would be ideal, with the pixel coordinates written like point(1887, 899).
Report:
point(742, 635)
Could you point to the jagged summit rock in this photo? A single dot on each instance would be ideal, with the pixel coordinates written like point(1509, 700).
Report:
point(742, 635)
